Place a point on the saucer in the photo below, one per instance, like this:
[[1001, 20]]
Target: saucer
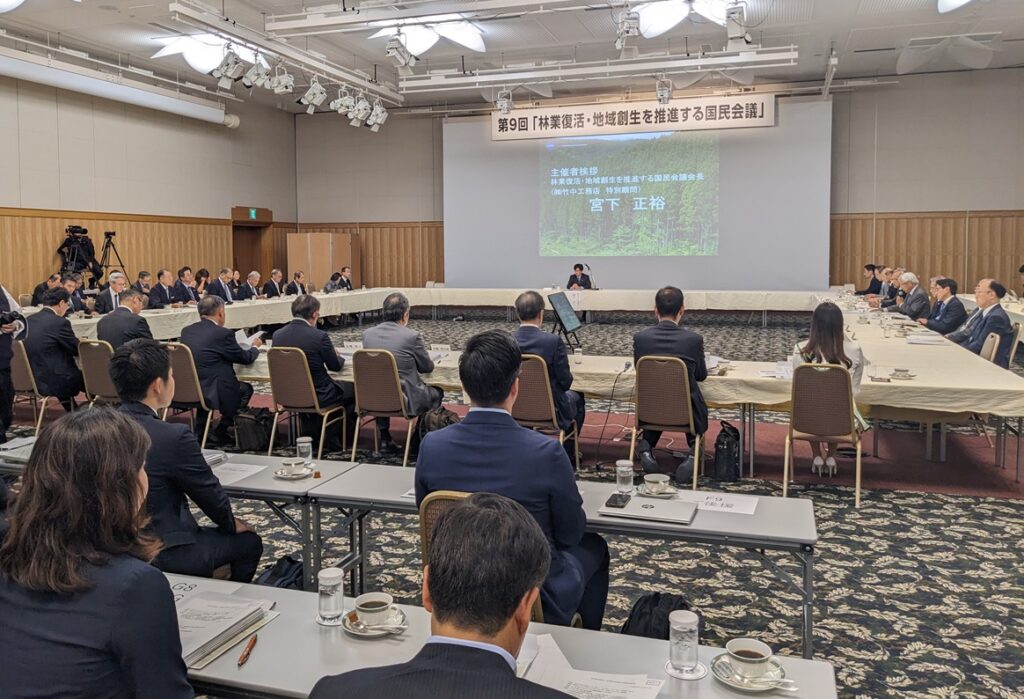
[[397, 618], [668, 494], [295, 476], [902, 377], [722, 669]]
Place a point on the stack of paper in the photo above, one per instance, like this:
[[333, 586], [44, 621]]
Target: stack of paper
[[214, 457], [925, 339], [550, 668], [209, 622], [246, 342], [17, 451], [232, 472], [17, 443]]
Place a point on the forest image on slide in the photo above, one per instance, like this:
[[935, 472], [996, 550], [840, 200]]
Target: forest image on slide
[[651, 194]]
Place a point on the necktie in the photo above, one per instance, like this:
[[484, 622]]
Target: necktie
[[114, 294], [942, 307], [227, 291]]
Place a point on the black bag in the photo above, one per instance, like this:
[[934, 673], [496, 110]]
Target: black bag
[[252, 427], [728, 461], [434, 419], [649, 615], [285, 573]]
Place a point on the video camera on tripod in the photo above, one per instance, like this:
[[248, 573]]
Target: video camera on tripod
[[79, 254]]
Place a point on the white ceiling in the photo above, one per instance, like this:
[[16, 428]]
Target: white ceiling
[[866, 35]]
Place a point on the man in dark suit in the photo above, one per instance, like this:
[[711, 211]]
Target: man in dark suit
[[71, 283], [185, 288], [51, 346], [250, 289], [489, 452], [669, 339], [346, 278], [297, 286], [490, 545], [948, 313], [533, 340], [52, 282], [874, 283], [272, 288], [141, 373], [143, 283], [8, 333], [110, 298], [321, 356], [221, 287], [412, 358], [162, 293], [215, 352], [990, 317], [914, 303], [578, 280], [894, 294], [125, 323]]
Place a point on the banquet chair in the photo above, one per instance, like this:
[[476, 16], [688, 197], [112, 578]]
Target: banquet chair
[[25, 385], [188, 392], [535, 405], [293, 392], [24, 300], [990, 348], [95, 357], [379, 394]]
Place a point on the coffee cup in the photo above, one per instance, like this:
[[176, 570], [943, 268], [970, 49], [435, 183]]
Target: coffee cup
[[901, 372], [291, 467], [656, 483], [748, 657], [374, 608]]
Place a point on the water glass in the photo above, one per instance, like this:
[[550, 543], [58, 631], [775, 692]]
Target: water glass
[[577, 356], [624, 475], [331, 599], [683, 640], [304, 449]]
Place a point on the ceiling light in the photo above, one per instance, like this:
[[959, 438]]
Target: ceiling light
[[8, 5], [360, 111], [462, 33], [378, 116], [229, 70], [344, 103], [282, 83], [258, 75], [204, 52], [314, 95], [401, 56], [504, 102], [944, 5], [629, 25], [420, 36], [418, 39], [656, 18], [663, 88]]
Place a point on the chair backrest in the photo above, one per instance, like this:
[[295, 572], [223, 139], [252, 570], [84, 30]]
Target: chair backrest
[[25, 300], [1017, 327], [95, 356], [377, 384], [663, 393], [187, 389], [822, 400], [430, 509], [990, 349], [535, 405], [291, 383], [21, 371]]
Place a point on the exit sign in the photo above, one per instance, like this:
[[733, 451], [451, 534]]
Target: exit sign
[[252, 214]]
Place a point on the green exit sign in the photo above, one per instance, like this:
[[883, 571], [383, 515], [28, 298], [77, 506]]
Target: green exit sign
[[252, 214]]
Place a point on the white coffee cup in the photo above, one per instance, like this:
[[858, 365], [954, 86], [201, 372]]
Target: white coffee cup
[[290, 467], [901, 372], [656, 483], [374, 608], [749, 657]]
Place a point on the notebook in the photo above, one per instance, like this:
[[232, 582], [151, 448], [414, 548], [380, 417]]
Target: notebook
[[675, 511]]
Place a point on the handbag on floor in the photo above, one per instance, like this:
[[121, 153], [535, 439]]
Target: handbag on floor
[[252, 428], [434, 419], [649, 615], [285, 573], [727, 465]]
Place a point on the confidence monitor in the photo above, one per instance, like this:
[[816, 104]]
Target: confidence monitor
[[566, 320]]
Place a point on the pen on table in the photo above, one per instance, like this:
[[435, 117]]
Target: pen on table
[[244, 658]]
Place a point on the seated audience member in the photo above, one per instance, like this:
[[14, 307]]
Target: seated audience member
[[110, 298], [669, 339], [297, 286], [332, 284], [76, 302], [489, 452], [52, 348], [251, 288], [51, 282], [321, 356], [828, 345], [162, 294], [124, 323], [185, 288], [221, 286], [142, 283], [84, 614], [141, 373], [346, 278], [989, 317], [412, 359], [948, 313], [874, 283], [215, 352], [533, 340], [273, 286], [578, 280], [914, 303], [486, 561], [202, 281], [236, 281]]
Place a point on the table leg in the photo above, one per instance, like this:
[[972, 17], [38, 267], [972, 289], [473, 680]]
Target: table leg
[[362, 551], [808, 561], [1020, 428], [353, 546], [310, 556], [764, 318], [753, 422], [743, 432]]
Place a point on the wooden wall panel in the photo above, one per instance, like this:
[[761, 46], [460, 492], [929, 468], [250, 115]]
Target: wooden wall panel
[[994, 246]]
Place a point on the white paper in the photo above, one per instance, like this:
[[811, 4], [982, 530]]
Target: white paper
[[720, 502], [925, 340], [246, 342], [596, 685], [17, 443], [352, 346], [186, 588], [232, 472], [527, 653], [440, 348], [411, 493], [437, 356]]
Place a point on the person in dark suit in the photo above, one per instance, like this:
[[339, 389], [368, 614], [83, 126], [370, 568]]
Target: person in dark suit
[[124, 323], [8, 333], [894, 294], [532, 339], [273, 288], [215, 352], [221, 286], [491, 545], [948, 313], [346, 278], [143, 283], [332, 284], [72, 282], [52, 347], [489, 452], [110, 298], [85, 616], [297, 286], [185, 288], [669, 339], [141, 372], [914, 304], [412, 358], [874, 283], [990, 317], [162, 293], [251, 288], [235, 283], [321, 356], [52, 282], [578, 280]]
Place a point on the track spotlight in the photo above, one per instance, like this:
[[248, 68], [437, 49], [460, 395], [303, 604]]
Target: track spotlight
[[400, 55], [378, 116], [229, 70], [663, 89], [343, 103], [258, 76], [504, 101], [314, 95], [282, 83], [629, 25], [360, 111]]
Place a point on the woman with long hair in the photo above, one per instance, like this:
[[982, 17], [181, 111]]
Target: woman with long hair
[[828, 345], [202, 280], [83, 613]]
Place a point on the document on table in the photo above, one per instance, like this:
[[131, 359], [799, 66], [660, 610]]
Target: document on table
[[17, 443], [232, 472], [209, 621], [246, 342], [186, 588], [925, 339], [720, 502], [551, 669]]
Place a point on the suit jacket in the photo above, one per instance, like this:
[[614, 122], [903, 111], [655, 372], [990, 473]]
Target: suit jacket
[[271, 289], [294, 289], [320, 354], [122, 325], [216, 352], [247, 291], [218, 288], [141, 289], [6, 345], [106, 301], [161, 296], [995, 322], [52, 347], [670, 340], [184, 294], [874, 287], [345, 284], [412, 359], [915, 305], [489, 452], [947, 316], [37, 293], [582, 280], [178, 473], [76, 302], [533, 340], [438, 671]]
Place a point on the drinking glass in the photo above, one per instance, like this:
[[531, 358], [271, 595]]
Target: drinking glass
[[304, 449], [624, 476], [683, 640], [577, 356], [331, 599]]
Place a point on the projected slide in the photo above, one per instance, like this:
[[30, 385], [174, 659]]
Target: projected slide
[[649, 194]]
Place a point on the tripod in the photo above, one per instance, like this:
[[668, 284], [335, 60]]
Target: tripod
[[108, 247]]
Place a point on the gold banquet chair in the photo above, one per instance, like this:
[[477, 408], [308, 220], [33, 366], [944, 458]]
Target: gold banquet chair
[[188, 392], [95, 356], [379, 393], [990, 349], [293, 391], [535, 405], [25, 383]]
